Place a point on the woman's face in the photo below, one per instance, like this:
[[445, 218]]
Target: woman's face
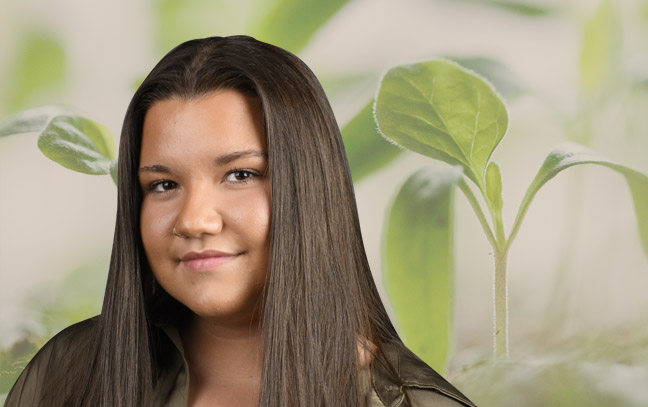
[[203, 172]]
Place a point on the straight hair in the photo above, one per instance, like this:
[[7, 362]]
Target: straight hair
[[319, 300]]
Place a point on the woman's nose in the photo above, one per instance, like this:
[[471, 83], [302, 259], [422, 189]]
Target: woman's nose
[[199, 214]]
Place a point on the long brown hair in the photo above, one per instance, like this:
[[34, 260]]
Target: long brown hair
[[319, 295]]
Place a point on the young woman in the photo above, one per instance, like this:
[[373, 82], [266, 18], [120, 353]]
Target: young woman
[[238, 275]]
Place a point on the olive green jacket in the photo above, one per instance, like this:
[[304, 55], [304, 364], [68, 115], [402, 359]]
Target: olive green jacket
[[423, 386]]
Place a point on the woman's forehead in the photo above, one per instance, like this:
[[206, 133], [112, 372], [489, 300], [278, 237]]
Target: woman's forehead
[[224, 122]]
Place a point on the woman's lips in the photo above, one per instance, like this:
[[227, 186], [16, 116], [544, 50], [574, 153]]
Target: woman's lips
[[206, 261]]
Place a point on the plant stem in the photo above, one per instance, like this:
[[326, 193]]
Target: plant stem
[[500, 317], [499, 226], [478, 211], [500, 280]]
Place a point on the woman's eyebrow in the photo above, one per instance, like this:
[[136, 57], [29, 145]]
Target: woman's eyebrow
[[155, 168], [227, 158], [220, 161]]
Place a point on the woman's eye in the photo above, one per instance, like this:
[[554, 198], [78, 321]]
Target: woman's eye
[[162, 186], [238, 176]]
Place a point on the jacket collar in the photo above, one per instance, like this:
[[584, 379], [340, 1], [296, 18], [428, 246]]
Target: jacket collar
[[413, 372]]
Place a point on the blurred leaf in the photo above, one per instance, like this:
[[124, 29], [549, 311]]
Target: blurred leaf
[[347, 91], [518, 7], [31, 121], [366, 150], [114, 171], [77, 297], [65, 137], [292, 23], [601, 53], [568, 154], [507, 82], [418, 263], [494, 186], [440, 110], [40, 65], [638, 184], [335, 84], [556, 383], [13, 361], [137, 82], [177, 21], [592, 368], [287, 23], [531, 10]]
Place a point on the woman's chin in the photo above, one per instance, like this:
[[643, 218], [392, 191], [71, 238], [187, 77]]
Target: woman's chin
[[224, 312]]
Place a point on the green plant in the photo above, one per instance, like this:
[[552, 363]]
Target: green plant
[[419, 231], [67, 137], [440, 110]]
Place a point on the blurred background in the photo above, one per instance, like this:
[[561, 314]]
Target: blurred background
[[578, 272]]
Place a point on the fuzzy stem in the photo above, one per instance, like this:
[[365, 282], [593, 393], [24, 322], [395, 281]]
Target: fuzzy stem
[[500, 235], [478, 211], [500, 317]]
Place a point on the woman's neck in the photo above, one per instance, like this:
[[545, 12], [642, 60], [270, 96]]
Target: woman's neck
[[224, 362]]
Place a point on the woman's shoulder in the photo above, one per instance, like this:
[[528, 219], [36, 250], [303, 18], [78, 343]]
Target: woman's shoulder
[[70, 342], [422, 384], [75, 333], [68, 346]]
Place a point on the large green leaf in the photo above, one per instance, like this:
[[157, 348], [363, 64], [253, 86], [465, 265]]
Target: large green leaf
[[291, 23], [601, 53], [438, 109], [40, 65], [365, 149], [568, 154], [418, 263], [66, 137]]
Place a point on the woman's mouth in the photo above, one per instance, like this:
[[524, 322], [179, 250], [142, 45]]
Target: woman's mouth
[[207, 260]]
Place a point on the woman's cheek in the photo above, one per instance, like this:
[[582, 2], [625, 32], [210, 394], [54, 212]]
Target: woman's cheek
[[250, 210], [155, 225]]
